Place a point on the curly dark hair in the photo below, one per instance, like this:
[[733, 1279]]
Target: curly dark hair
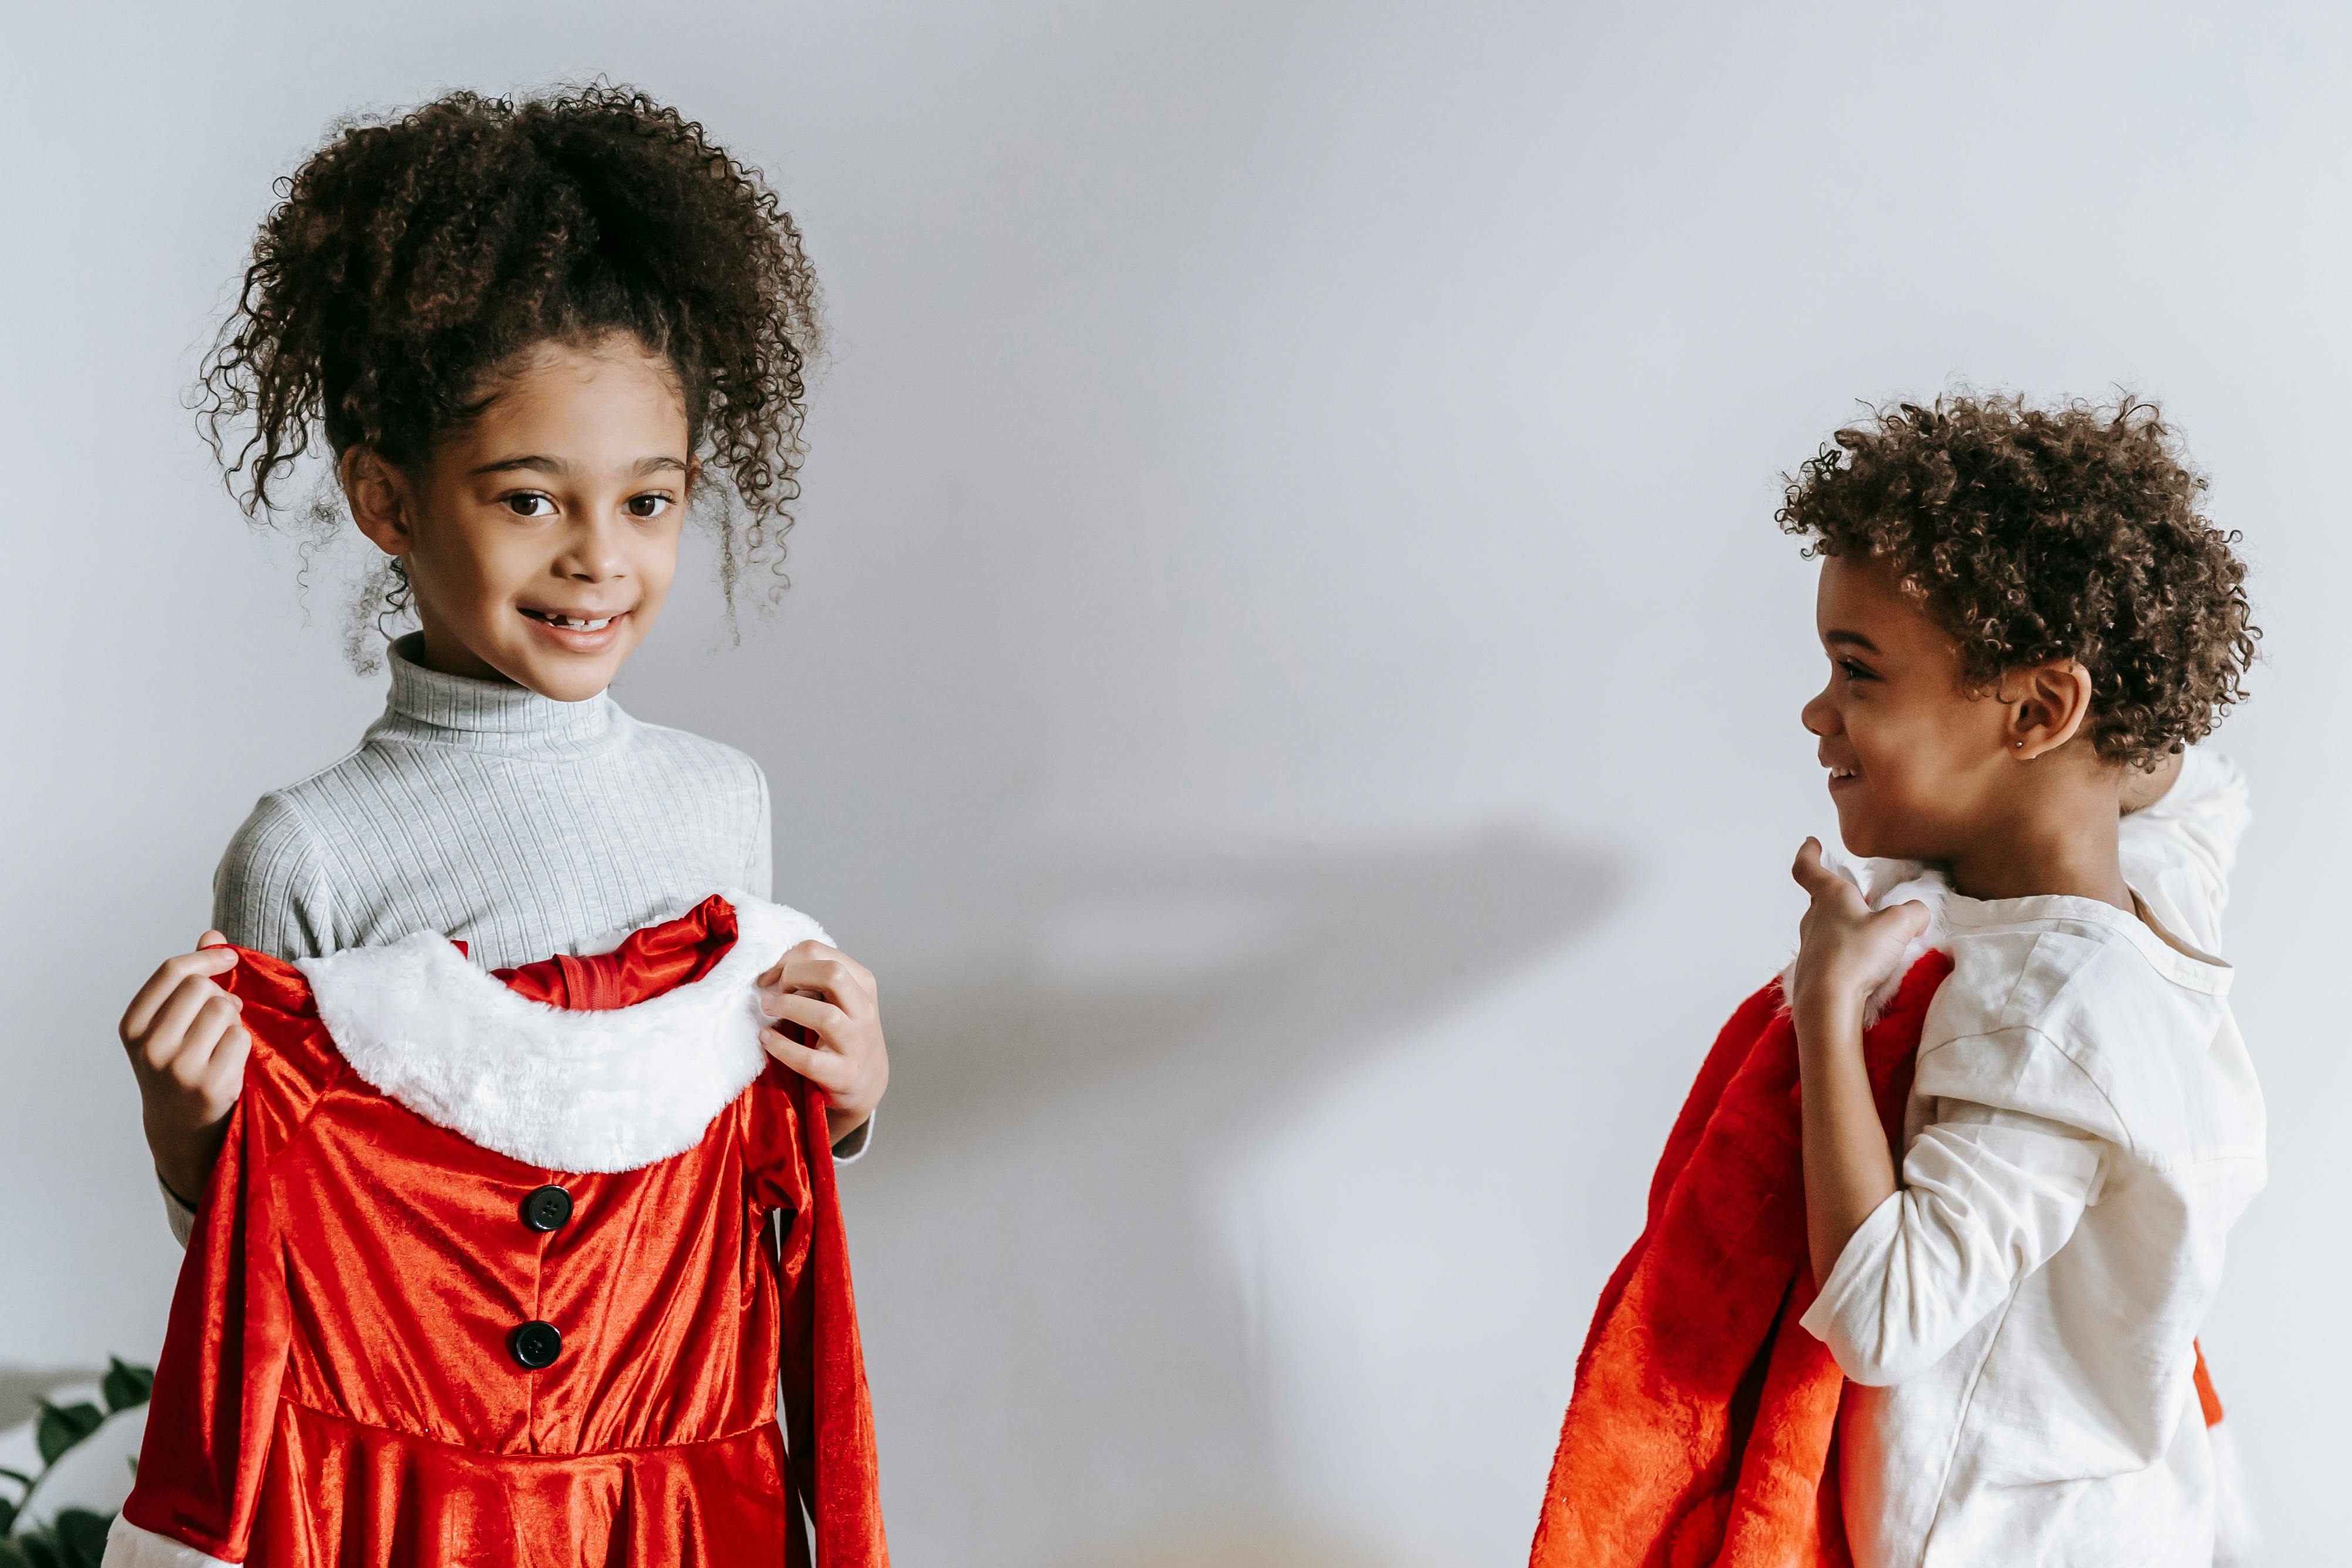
[[2033, 534], [414, 259]]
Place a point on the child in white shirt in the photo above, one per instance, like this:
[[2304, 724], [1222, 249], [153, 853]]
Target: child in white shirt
[[2028, 619]]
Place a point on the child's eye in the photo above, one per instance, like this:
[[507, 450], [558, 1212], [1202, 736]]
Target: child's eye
[[1854, 671], [648, 505], [527, 504]]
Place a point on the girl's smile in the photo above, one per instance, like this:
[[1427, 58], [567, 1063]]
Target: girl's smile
[[578, 630]]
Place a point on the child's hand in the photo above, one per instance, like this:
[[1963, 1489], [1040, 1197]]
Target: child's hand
[[831, 996], [188, 1052], [1846, 949]]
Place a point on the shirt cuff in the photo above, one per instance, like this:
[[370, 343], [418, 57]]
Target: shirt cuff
[[178, 1215], [128, 1546], [1854, 1291], [857, 1144]]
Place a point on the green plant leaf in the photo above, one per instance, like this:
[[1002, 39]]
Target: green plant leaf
[[39, 1550], [80, 1536], [126, 1384], [19, 1476], [63, 1425], [7, 1517], [13, 1555]]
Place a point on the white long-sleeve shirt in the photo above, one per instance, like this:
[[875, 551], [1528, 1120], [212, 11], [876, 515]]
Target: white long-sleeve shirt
[[2083, 1128]]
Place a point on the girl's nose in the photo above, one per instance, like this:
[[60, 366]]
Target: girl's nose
[[593, 554]]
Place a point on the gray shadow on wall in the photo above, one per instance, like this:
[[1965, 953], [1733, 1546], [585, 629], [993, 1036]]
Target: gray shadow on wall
[[1046, 1273], [1112, 966]]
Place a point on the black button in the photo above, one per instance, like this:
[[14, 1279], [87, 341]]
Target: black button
[[545, 1208], [535, 1345]]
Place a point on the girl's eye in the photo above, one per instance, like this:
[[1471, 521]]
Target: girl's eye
[[650, 506], [529, 504], [1854, 672]]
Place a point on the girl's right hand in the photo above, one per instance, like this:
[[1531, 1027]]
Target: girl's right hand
[[187, 1050]]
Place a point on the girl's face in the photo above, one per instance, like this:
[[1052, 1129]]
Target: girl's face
[[1915, 759], [540, 539]]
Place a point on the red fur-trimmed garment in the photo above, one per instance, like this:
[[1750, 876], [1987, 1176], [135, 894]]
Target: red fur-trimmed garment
[[429, 1167], [1701, 1429]]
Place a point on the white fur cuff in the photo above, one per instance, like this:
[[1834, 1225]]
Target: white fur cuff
[[128, 1546]]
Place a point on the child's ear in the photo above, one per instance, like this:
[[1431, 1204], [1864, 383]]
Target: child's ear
[[378, 494], [2048, 705]]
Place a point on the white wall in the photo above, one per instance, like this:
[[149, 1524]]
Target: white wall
[[1292, 680]]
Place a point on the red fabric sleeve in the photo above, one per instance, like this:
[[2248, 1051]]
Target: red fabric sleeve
[[828, 1417], [1724, 1059], [214, 1405]]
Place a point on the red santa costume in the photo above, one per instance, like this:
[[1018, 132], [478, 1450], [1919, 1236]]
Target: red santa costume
[[480, 1275]]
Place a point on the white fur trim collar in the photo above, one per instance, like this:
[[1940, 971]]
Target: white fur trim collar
[[1884, 883], [572, 1090]]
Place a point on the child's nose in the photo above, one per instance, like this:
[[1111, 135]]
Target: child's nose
[[594, 554], [1820, 715]]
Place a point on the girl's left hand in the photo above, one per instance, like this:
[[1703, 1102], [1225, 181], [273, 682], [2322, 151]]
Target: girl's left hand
[[1846, 949], [831, 996]]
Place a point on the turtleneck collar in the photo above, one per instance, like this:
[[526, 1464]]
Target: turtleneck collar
[[488, 715]]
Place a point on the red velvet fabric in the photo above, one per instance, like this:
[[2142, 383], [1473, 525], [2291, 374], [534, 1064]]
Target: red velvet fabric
[[1701, 1425], [335, 1386], [1702, 1430]]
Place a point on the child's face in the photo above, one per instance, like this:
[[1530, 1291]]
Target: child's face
[[540, 539], [1914, 757]]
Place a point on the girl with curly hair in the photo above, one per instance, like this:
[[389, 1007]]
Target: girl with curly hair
[[2028, 620], [528, 334]]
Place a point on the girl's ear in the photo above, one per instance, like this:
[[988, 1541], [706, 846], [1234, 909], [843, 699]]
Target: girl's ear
[[380, 501], [2048, 705]]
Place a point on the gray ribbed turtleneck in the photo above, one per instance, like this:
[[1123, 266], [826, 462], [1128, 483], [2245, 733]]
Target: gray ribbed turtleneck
[[520, 825]]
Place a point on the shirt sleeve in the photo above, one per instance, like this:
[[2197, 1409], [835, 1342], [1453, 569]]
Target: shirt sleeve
[[271, 892], [178, 1215], [759, 857], [2179, 853], [1991, 1187], [857, 1142]]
